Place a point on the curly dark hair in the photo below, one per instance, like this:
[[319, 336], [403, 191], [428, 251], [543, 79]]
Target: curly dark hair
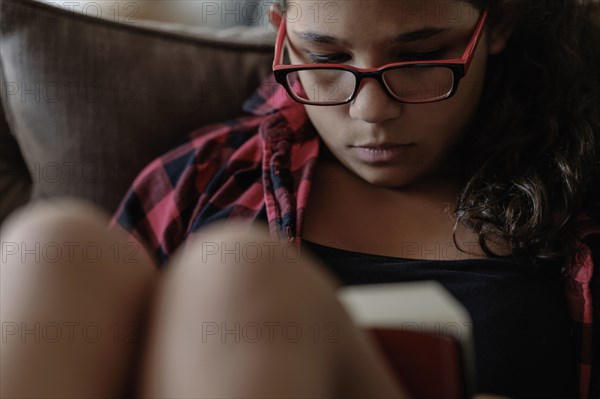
[[531, 152], [528, 161]]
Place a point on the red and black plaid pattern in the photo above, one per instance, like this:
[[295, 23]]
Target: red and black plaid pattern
[[259, 167], [256, 167]]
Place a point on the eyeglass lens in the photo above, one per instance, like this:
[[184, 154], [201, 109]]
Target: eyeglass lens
[[411, 84]]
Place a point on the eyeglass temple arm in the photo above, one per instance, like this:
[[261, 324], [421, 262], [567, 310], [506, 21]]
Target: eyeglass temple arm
[[470, 50], [279, 42]]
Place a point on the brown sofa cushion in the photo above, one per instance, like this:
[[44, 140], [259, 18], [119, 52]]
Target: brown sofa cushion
[[91, 101]]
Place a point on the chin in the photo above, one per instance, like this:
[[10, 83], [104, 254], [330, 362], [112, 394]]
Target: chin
[[391, 178]]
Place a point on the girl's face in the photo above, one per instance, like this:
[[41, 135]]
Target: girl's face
[[369, 34]]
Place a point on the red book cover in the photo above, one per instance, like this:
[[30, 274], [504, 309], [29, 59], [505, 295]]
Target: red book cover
[[423, 332]]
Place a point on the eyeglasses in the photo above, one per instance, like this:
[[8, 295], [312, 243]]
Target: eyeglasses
[[414, 82]]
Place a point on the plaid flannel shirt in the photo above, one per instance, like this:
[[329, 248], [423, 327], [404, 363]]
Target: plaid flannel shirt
[[259, 167]]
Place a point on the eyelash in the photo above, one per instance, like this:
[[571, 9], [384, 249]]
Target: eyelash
[[340, 58]]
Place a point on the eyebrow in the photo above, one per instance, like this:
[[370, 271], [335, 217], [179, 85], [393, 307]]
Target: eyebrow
[[421, 34]]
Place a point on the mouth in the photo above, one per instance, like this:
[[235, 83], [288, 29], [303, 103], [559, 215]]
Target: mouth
[[384, 152], [382, 145]]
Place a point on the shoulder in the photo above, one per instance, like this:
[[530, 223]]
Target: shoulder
[[163, 199], [209, 145], [199, 158]]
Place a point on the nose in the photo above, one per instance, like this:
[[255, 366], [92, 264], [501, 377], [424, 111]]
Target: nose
[[372, 104]]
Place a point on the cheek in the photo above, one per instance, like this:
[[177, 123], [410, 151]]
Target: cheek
[[445, 121], [439, 124], [329, 121]]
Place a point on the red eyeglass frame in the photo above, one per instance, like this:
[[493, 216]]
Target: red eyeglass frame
[[459, 67]]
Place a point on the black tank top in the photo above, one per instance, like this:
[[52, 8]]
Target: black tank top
[[521, 326]]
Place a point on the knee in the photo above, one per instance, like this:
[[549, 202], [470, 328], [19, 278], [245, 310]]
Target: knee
[[65, 231], [51, 233], [247, 253], [233, 246], [65, 244], [238, 263], [49, 219]]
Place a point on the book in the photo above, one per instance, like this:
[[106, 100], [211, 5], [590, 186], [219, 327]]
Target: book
[[424, 332]]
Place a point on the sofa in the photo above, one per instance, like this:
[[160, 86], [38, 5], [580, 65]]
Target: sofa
[[87, 102]]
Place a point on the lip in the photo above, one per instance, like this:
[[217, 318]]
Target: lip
[[382, 145], [382, 153]]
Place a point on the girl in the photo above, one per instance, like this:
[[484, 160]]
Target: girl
[[396, 140]]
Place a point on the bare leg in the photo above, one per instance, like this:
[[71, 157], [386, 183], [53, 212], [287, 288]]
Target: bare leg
[[292, 337], [72, 293]]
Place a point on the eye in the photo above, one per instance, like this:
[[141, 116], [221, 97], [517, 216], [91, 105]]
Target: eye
[[341, 58], [327, 58]]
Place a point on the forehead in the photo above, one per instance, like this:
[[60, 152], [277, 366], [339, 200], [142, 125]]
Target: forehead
[[368, 17]]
